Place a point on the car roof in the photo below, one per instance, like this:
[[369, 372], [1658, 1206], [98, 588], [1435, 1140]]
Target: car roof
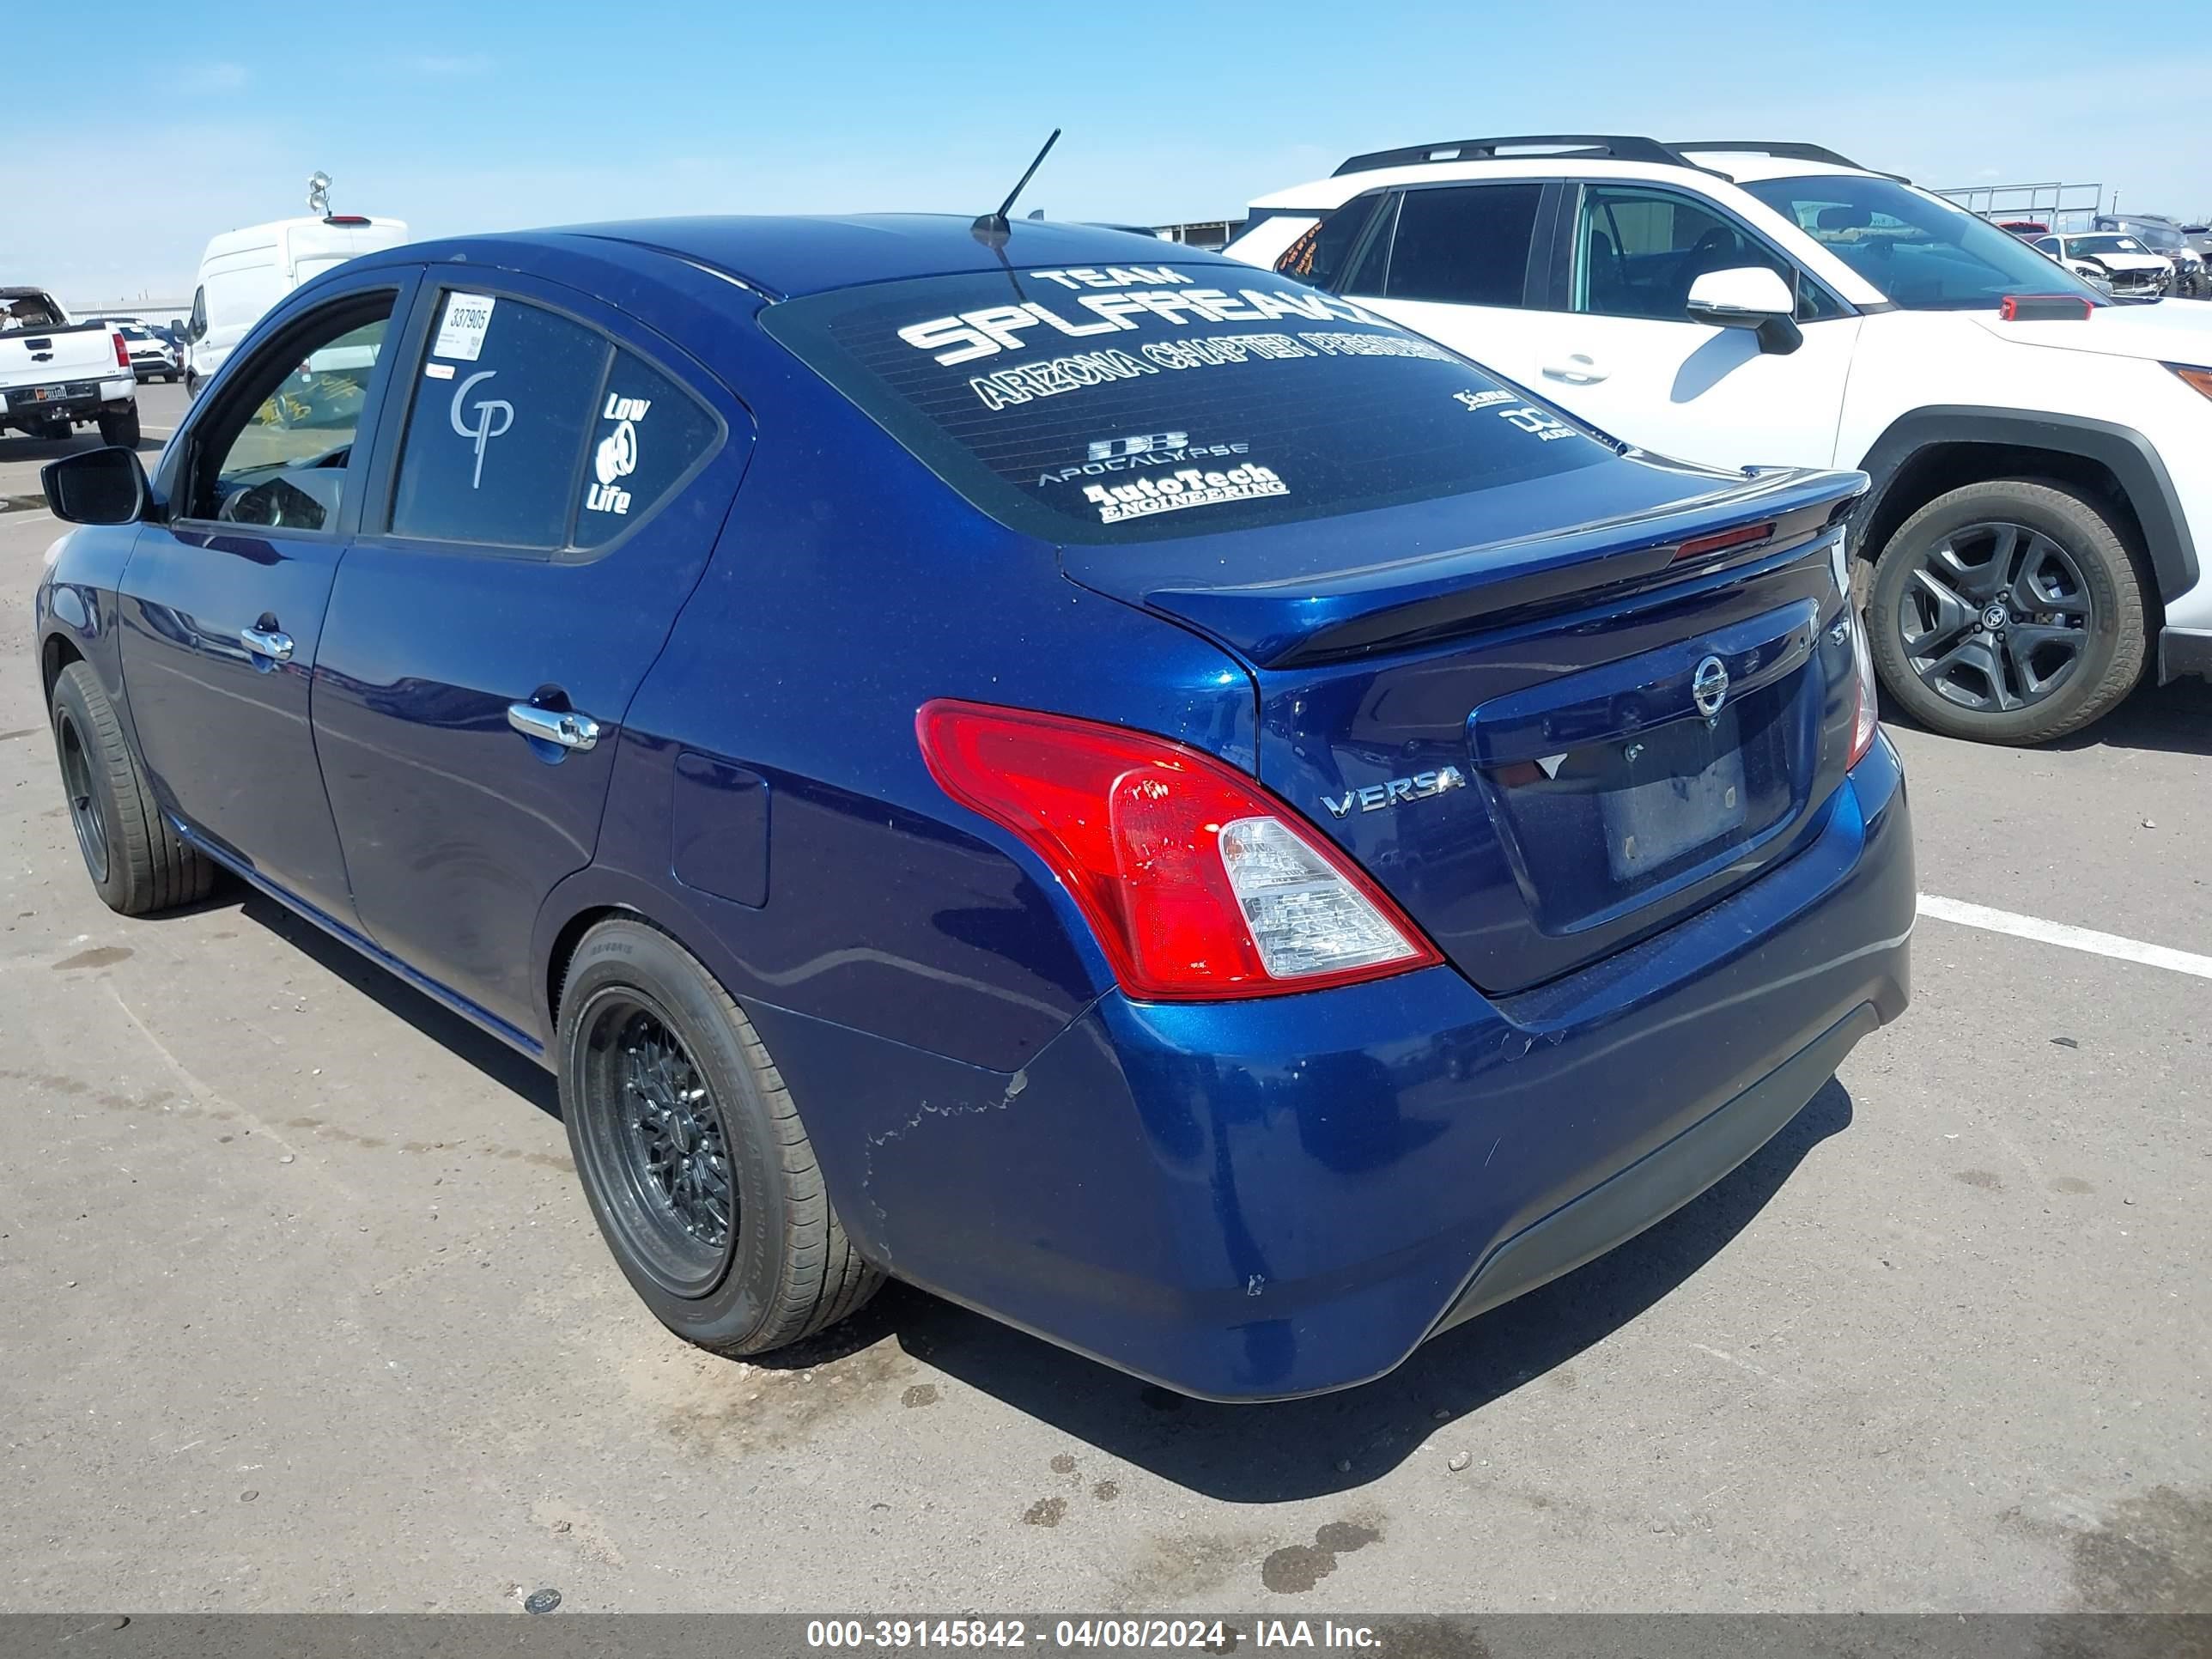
[[783, 256], [1742, 169]]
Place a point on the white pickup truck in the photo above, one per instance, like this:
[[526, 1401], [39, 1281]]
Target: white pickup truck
[[56, 374]]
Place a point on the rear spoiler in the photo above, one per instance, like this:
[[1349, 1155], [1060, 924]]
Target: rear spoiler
[[1404, 602]]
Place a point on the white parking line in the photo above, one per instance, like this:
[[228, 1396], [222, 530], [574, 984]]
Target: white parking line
[[2063, 934]]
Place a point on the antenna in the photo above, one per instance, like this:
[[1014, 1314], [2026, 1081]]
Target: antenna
[[992, 229]]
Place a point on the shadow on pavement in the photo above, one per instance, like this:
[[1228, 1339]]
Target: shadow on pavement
[[512, 1071], [2173, 719], [1240, 1454], [1279, 1453], [36, 452]]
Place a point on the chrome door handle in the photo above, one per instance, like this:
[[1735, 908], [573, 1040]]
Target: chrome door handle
[[267, 642], [569, 730], [1578, 370]]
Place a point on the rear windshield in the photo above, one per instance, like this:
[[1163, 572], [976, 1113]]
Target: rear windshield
[[1125, 404]]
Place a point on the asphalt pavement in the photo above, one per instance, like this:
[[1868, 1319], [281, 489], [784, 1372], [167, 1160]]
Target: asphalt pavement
[[300, 1307]]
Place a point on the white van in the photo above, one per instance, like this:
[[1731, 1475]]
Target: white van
[[244, 273]]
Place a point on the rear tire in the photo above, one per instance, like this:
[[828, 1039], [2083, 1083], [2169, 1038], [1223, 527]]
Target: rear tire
[[2010, 611], [138, 863], [119, 427], [691, 1152]]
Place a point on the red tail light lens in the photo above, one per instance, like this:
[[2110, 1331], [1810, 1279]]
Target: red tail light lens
[[122, 351], [1198, 885], [1868, 721]]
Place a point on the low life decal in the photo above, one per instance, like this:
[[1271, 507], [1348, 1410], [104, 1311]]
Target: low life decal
[[1189, 486], [615, 457], [461, 331], [493, 416]]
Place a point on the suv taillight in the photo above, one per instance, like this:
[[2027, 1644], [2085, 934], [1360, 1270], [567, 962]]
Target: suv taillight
[[1197, 883], [122, 351]]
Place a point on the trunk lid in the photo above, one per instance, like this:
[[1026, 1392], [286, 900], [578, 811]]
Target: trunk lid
[[1544, 745]]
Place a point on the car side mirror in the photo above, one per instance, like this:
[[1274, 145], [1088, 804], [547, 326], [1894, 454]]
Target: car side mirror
[[96, 486], [1751, 297]]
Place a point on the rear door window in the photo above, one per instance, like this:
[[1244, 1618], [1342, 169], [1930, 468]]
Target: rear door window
[[1131, 403], [648, 435], [530, 429], [1463, 245], [495, 432]]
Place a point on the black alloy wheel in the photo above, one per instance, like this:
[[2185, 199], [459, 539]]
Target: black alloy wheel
[[660, 1137], [691, 1150], [2011, 611], [1996, 617]]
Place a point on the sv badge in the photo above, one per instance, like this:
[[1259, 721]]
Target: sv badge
[[1422, 786]]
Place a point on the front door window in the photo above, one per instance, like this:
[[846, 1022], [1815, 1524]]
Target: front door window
[[280, 460]]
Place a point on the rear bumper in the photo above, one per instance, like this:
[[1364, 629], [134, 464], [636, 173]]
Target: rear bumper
[[1661, 1181], [1262, 1200]]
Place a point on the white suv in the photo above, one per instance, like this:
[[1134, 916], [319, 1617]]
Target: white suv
[[2041, 457]]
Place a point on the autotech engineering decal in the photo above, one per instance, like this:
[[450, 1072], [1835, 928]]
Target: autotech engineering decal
[[1189, 486]]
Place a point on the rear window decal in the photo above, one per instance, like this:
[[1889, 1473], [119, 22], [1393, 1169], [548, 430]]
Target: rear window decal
[[1105, 456], [1537, 423], [1094, 404], [990, 330], [1188, 486]]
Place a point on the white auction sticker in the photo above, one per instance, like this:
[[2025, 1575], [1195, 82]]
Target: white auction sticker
[[461, 329]]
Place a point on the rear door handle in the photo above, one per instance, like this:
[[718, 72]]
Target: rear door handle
[[559, 726], [268, 642], [1578, 370]]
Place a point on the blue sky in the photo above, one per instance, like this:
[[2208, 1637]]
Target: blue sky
[[499, 113]]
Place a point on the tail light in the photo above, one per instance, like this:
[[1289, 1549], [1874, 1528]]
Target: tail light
[[1865, 719], [1198, 885], [122, 351], [1869, 719]]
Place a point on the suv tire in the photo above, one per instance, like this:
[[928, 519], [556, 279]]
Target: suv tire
[[691, 1153], [2010, 611]]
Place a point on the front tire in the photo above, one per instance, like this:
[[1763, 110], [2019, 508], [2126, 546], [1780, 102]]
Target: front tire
[[2010, 611], [138, 863], [691, 1152], [119, 427]]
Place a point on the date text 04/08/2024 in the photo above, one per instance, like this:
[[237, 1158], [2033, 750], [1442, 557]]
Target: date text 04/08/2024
[[1208, 1636]]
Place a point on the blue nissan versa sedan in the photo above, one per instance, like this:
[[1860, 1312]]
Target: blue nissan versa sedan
[[1100, 781]]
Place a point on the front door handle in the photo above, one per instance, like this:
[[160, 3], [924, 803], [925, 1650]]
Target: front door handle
[[268, 642], [1579, 369], [558, 725]]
